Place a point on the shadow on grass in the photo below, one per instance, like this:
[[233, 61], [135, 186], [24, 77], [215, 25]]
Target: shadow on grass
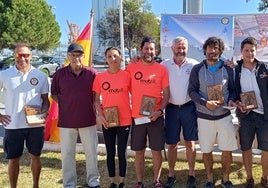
[[181, 173], [52, 161]]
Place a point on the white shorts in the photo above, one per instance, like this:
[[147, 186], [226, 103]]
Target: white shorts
[[220, 131]]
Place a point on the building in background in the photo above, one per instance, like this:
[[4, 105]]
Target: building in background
[[99, 7]]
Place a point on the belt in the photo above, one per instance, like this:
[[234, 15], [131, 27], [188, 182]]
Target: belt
[[181, 105]]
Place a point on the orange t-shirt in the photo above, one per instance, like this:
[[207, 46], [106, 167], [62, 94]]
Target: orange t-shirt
[[115, 91], [147, 80]]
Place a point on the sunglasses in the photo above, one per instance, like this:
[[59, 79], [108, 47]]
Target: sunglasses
[[22, 55]]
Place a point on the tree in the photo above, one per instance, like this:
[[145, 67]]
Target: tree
[[139, 21], [30, 21], [263, 5]]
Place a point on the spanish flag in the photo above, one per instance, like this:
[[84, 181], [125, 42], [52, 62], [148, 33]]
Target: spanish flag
[[85, 40], [52, 132]]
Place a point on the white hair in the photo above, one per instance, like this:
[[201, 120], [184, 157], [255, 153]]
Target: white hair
[[179, 39]]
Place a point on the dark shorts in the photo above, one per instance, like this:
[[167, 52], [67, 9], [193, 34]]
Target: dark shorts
[[154, 131], [252, 124], [177, 118], [14, 141]]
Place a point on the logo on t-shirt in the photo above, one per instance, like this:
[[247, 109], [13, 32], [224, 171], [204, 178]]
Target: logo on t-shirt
[[188, 71], [34, 81], [115, 90], [106, 85], [138, 75]]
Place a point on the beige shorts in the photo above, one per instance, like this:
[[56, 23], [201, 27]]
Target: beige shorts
[[221, 132]]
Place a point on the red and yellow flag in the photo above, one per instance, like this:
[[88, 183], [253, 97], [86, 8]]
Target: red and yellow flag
[[52, 132], [85, 40]]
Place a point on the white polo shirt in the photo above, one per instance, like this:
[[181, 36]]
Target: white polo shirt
[[19, 90], [179, 80], [248, 82]]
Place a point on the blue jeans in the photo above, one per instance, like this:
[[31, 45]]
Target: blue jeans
[[89, 139]]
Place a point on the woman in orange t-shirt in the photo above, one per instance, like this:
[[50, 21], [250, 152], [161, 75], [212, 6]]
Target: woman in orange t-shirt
[[112, 102]]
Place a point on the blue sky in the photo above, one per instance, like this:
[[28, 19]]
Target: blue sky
[[78, 11]]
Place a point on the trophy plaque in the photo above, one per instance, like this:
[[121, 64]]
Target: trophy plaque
[[215, 93], [111, 115], [33, 115], [249, 100], [147, 105]]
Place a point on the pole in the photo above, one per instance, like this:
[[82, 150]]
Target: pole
[[184, 7], [122, 33], [91, 38]]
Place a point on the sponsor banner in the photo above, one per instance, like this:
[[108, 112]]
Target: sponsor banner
[[196, 28]]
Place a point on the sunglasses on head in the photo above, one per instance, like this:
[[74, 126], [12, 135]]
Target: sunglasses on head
[[22, 55]]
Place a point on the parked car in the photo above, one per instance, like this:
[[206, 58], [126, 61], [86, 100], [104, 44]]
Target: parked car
[[49, 64], [98, 60], [9, 62], [6, 63]]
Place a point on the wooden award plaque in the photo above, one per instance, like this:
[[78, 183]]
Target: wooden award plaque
[[249, 100], [215, 93], [147, 105], [111, 115], [33, 115]]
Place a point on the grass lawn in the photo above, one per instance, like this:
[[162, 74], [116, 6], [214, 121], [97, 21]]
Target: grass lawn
[[51, 172]]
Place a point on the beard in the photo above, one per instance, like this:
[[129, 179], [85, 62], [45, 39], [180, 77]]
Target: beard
[[180, 56], [212, 57], [148, 58]]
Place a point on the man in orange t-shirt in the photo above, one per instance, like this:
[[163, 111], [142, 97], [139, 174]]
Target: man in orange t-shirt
[[150, 95]]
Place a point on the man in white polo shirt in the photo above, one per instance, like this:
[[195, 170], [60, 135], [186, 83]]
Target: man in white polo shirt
[[23, 85], [180, 113], [252, 76]]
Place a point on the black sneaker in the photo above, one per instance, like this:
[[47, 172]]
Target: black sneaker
[[121, 185], [170, 182], [264, 182], [227, 184], [209, 185], [139, 185], [191, 182], [113, 185], [250, 183]]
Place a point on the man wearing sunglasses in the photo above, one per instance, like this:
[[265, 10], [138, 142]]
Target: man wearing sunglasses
[[23, 85]]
